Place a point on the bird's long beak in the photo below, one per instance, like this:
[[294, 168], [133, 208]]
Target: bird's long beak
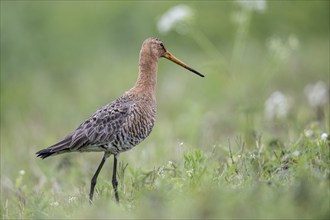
[[172, 58]]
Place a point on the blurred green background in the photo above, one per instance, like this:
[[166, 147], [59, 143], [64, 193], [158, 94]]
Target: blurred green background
[[60, 61]]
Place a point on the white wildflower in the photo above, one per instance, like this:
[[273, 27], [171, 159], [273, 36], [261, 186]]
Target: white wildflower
[[19, 179], [253, 5], [72, 199], [175, 18], [160, 172], [308, 133], [277, 106], [190, 172], [296, 153], [317, 94], [54, 204], [324, 136], [280, 48]]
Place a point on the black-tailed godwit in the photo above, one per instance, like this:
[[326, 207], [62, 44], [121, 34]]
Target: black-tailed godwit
[[123, 123]]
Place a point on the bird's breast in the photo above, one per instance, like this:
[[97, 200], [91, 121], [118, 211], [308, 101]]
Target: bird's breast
[[136, 127], [141, 121]]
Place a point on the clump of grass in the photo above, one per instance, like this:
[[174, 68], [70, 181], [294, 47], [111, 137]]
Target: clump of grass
[[273, 175], [292, 177]]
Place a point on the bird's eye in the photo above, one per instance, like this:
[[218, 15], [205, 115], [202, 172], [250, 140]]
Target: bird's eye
[[162, 45]]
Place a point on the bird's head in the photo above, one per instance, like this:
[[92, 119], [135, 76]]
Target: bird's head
[[156, 49]]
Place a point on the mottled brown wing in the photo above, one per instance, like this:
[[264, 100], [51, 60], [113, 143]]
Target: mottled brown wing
[[103, 125], [99, 129]]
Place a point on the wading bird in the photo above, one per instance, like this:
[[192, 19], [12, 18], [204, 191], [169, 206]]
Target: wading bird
[[123, 123]]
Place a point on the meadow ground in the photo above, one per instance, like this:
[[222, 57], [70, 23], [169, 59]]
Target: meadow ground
[[250, 140]]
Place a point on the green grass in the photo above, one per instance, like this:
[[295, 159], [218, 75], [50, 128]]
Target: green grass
[[212, 153], [290, 181]]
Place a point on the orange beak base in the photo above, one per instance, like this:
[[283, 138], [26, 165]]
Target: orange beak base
[[172, 58]]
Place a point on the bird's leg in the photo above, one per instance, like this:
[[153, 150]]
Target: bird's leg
[[93, 181], [114, 177]]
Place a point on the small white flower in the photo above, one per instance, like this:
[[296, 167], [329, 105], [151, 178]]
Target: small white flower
[[190, 172], [280, 48], [54, 204], [296, 153], [277, 48], [308, 133], [160, 172], [253, 5], [72, 199], [277, 106], [175, 18], [317, 94], [21, 172], [324, 136]]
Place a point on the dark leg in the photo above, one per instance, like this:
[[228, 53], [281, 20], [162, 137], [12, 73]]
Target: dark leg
[[114, 178], [93, 182]]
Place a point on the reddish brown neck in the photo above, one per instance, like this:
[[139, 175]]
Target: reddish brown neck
[[147, 78]]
